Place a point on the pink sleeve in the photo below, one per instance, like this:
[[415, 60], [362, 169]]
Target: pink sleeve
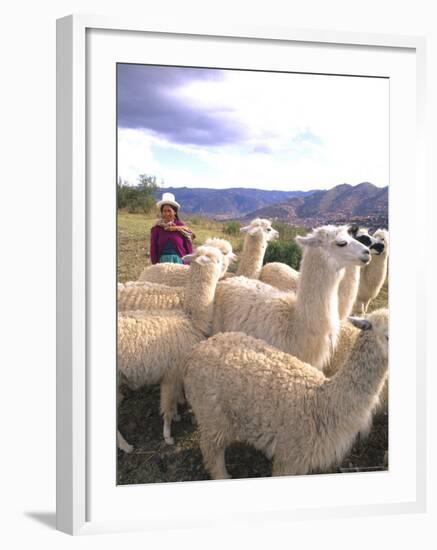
[[154, 245]]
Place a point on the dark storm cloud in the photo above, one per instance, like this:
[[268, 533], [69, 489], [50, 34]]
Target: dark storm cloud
[[148, 99]]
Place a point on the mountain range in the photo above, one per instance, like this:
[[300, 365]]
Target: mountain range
[[227, 203], [363, 203]]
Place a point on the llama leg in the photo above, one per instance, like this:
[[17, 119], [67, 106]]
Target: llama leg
[[181, 394], [180, 398], [123, 444], [169, 395], [121, 441], [214, 458]]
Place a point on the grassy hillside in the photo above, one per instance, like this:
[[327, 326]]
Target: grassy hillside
[[134, 240], [134, 244]]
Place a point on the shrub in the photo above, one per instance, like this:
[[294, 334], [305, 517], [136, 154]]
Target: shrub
[[288, 232], [287, 252], [137, 198], [231, 228]]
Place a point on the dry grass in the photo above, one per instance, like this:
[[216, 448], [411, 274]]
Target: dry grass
[[134, 240]]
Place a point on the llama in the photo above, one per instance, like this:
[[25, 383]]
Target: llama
[[177, 274], [258, 235], [151, 347], [303, 324], [280, 275], [242, 389], [348, 288], [146, 296], [373, 276], [346, 341], [286, 278]]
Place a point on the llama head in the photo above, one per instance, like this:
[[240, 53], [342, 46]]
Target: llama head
[[206, 259], [377, 322], [223, 245], [260, 229], [225, 248], [381, 243], [361, 234], [337, 245]]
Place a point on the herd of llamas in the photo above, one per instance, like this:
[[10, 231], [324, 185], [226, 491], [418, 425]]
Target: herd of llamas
[[287, 361]]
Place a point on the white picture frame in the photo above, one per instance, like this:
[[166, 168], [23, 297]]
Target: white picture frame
[[76, 218]]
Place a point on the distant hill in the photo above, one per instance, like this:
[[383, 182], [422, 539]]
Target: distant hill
[[227, 203], [363, 203]]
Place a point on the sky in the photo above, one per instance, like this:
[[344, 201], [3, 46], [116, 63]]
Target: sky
[[196, 127]]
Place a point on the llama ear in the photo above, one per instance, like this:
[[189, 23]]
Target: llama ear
[[232, 257], [360, 323], [245, 229], [188, 258], [202, 260], [353, 229], [308, 240]]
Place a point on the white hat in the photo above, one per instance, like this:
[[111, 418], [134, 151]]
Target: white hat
[[168, 198]]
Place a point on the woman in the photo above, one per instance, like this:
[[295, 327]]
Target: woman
[[170, 239]]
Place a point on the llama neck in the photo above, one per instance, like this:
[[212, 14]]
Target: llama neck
[[377, 269], [252, 258], [353, 391], [199, 298], [347, 291], [317, 296]]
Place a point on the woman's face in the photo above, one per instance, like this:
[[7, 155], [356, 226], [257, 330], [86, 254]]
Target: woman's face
[[168, 214]]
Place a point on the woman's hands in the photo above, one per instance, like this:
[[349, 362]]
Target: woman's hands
[[180, 228], [177, 228]]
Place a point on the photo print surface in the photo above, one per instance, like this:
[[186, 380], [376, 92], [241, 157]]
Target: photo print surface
[[252, 256]]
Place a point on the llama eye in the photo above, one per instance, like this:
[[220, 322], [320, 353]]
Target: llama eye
[[269, 229], [342, 243]]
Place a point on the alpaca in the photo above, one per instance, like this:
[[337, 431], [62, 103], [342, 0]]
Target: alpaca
[[242, 389], [373, 276], [258, 235], [147, 296], [348, 288], [177, 274], [286, 278], [303, 324], [151, 347], [347, 338], [280, 275]]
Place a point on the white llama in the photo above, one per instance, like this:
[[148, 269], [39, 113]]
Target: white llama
[[242, 389], [177, 274], [373, 276], [304, 324], [151, 347]]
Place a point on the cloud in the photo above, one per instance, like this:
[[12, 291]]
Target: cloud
[[221, 128], [152, 98]]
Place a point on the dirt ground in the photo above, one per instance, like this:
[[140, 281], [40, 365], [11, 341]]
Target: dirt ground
[[153, 461]]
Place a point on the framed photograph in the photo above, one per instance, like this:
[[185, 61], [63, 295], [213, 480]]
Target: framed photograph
[[168, 137]]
